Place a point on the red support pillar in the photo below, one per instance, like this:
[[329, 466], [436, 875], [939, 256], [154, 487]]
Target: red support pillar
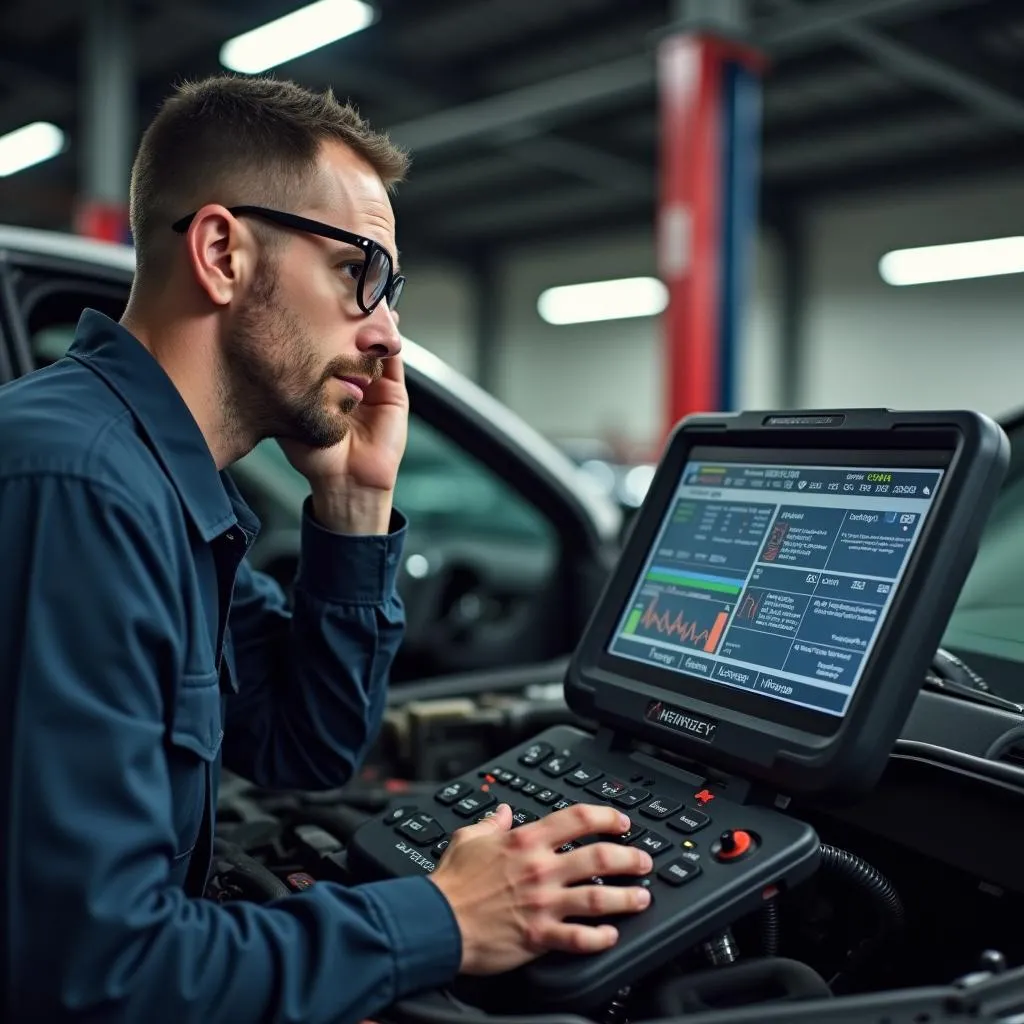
[[707, 218], [688, 235]]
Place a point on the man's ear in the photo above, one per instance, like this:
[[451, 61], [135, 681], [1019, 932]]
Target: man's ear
[[221, 252]]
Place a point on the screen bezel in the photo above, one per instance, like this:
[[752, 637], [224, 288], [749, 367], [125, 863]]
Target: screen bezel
[[925, 448]]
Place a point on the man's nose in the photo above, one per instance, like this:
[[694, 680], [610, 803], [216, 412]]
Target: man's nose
[[378, 335]]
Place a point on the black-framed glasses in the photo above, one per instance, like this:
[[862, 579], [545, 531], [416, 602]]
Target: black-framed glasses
[[377, 279]]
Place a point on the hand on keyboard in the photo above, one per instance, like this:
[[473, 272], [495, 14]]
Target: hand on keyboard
[[511, 890]]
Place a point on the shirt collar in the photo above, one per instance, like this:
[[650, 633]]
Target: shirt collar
[[128, 368]]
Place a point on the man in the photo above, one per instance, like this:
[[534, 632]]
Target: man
[[139, 650]]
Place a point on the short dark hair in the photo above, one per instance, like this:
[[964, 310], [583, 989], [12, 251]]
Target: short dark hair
[[238, 139]]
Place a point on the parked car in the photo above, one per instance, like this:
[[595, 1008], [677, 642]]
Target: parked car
[[509, 542]]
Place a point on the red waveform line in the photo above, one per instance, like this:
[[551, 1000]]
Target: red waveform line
[[678, 626], [750, 607]]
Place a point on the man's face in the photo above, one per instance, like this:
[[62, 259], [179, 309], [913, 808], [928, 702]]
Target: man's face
[[299, 352]]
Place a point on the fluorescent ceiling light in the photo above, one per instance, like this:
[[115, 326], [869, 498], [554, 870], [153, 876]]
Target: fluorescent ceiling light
[[29, 145], [603, 300], [297, 33], [958, 262]]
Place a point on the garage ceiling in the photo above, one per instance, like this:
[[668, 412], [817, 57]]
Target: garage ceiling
[[529, 119]]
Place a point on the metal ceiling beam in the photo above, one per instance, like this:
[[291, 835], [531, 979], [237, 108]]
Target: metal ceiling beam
[[549, 210], [546, 103], [846, 148], [535, 107], [803, 29], [922, 69]]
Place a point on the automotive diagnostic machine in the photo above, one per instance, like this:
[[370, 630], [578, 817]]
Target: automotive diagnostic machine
[[769, 623]]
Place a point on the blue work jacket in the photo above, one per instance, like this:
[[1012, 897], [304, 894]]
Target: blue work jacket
[[139, 651]]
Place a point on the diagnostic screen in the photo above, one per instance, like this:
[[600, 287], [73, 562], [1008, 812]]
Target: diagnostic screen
[[776, 578]]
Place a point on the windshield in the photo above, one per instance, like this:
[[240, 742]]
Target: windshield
[[987, 625]]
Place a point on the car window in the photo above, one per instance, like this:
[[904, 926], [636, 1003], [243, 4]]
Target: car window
[[441, 488], [444, 491], [989, 616]]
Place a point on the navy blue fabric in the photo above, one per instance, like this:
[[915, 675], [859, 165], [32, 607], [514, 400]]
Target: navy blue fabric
[[122, 580]]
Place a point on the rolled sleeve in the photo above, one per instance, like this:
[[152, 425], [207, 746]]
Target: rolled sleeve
[[348, 569]]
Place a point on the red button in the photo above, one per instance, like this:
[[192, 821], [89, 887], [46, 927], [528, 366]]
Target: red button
[[734, 844]]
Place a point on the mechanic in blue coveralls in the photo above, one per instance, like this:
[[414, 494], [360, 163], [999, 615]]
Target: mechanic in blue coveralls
[[138, 651]]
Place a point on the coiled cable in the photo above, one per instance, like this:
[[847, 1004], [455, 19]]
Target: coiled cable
[[859, 873]]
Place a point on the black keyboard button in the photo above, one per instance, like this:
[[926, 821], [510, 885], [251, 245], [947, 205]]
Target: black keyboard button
[[652, 843], [440, 847], [582, 775], [521, 817], [452, 792], [559, 764], [567, 847], [421, 829], [659, 808], [607, 789], [491, 773], [535, 753], [679, 871], [562, 804], [548, 796], [632, 797], [398, 814], [530, 789], [517, 783], [471, 806], [505, 777], [689, 821]]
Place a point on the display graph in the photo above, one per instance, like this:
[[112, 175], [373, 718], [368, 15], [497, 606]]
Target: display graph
[[692, 623]]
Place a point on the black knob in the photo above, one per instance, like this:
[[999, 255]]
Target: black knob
[[992, 960], [727, 841]]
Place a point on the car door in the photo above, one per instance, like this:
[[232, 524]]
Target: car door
[[502, 562]]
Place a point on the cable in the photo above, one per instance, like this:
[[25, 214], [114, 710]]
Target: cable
[[770, 927], [873, 883]]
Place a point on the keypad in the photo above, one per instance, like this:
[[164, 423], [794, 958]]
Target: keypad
[[678, 857]]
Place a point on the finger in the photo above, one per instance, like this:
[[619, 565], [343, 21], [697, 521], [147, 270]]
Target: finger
[[499, 821], [394, 369], [579, 821], [602, 900], [576, 938], [603, 859]]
